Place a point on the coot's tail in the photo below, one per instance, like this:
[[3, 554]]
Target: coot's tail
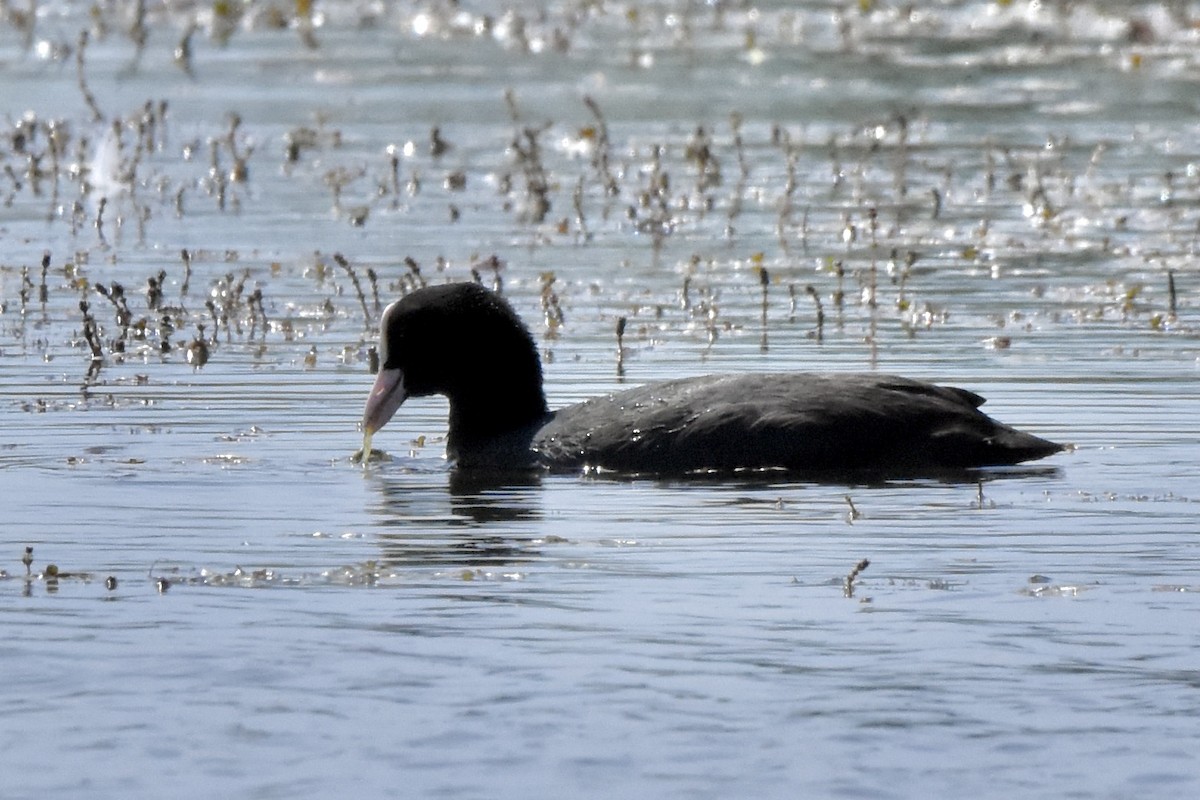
[[1018, 446], [1001, 446]]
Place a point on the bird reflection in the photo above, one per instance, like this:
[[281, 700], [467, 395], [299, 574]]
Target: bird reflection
[[486, 496], [459, 518]]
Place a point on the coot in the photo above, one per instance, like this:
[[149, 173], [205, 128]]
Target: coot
[[466, 342]]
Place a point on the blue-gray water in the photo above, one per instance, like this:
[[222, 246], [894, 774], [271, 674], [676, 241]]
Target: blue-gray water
[[395, 630]]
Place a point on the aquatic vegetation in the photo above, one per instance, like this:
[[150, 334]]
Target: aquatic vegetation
[[162, 577], [898, 227], [848, 582], [49, 577]]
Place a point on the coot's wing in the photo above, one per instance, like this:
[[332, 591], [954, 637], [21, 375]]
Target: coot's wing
[[805, 422]]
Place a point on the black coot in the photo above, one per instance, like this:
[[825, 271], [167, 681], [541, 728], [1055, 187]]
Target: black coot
[[465, 342]]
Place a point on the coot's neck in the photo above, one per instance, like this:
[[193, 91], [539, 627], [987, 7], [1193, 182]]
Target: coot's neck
[[500, 419], [502, 409]]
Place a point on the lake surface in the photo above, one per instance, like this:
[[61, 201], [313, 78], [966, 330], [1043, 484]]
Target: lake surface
[[997, 195]]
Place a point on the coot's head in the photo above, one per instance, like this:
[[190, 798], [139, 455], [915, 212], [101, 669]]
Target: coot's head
[[465, 342]]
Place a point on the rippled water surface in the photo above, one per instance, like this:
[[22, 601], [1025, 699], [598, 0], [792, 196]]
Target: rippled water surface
[[999, 195]]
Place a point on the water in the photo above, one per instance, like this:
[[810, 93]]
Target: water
[[287, 623]]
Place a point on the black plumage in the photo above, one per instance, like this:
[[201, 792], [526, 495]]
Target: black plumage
[[465, 342]]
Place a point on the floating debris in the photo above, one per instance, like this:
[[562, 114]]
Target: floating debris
[[620, 346], [848, 581], [198, 349], [853, 514]]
